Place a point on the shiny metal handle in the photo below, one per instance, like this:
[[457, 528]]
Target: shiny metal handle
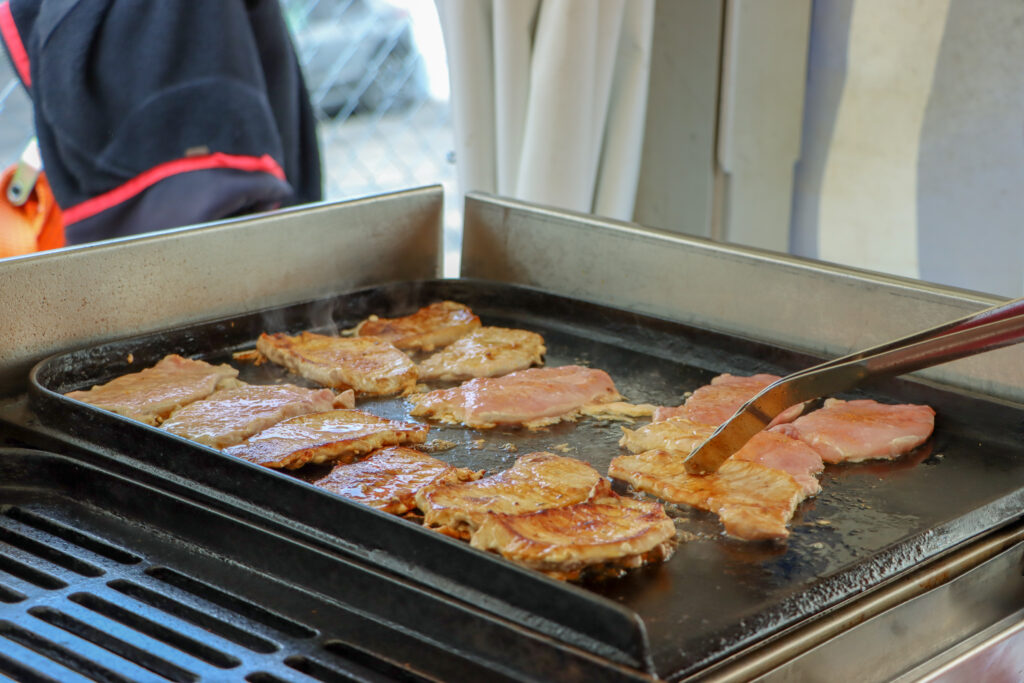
[[965, 341], [1001, 311]]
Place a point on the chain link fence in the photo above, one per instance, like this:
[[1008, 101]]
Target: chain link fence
[[15, 114], [377, 79]]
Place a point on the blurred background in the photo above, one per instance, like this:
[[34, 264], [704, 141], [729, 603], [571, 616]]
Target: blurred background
[[378, 80], [879, 135]]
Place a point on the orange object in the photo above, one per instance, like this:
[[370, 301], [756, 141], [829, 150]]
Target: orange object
[[36, 225]]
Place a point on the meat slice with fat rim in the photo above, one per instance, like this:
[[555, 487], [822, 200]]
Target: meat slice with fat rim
[[603, 536], [532, 398], [151, 395], [367, 365], [536, 481], [753, 501], [618, 410], [431, 327], [485, 352], [332, 436], [851, 431], [773, 448], [389, 479], [229, 416], [714, 403]]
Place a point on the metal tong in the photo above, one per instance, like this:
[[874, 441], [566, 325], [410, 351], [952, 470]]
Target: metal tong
[[986, 330]]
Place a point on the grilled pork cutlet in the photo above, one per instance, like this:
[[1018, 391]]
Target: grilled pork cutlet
[[485, 352], [431, 327], [713, 404], [230, 416], [851, 431], [332, 436], [753, 501], [535, 481], [389, 479], [367, 365], [604, 536], [531, 398], [151, 395]]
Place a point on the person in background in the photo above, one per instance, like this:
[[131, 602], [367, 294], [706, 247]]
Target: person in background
[[153, 115]]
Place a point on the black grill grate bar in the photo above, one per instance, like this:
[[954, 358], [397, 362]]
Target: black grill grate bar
[[243, 608], [72, 535], [264, 677], [201, 619], [9, 595], [48, 553], [29, 573], [59, 654], [322, 672], [119, 647], [18, 671], [370, 662], [156, 630]]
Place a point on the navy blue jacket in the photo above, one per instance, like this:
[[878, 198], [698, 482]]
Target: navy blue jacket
[[153, 114]]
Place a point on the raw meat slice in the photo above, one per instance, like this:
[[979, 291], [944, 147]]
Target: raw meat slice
[[715, 403], [151, 395], [433, 326], [677, 434], [389, 479], [753, 501], [485, 352], [532, 398], [605, 536], [851, 431], [230, 416], [535, 481], [333, 436], [368, 365], [773, 448]]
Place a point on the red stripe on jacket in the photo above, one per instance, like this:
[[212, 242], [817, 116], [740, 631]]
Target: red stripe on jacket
[[9, 32], [147, 179]]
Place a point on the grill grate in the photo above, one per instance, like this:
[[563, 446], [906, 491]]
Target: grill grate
[[81, 608]]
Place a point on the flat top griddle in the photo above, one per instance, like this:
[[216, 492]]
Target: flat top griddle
[[716, 595]]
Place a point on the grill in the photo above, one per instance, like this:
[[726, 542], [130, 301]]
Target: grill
[[715, 606], [872, 522]]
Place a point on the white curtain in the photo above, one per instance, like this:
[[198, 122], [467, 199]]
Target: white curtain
[[911, 159], [549, 98]]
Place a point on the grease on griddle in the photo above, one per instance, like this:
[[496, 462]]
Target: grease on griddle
[[438, 445]]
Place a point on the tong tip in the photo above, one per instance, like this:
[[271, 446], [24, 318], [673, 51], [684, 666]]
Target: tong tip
[[730, 437]]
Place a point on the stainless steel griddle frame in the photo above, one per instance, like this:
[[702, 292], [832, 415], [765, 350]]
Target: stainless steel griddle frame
[[81, 296]]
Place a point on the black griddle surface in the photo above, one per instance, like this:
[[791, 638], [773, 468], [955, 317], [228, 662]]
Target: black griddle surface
[[716, 595]]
